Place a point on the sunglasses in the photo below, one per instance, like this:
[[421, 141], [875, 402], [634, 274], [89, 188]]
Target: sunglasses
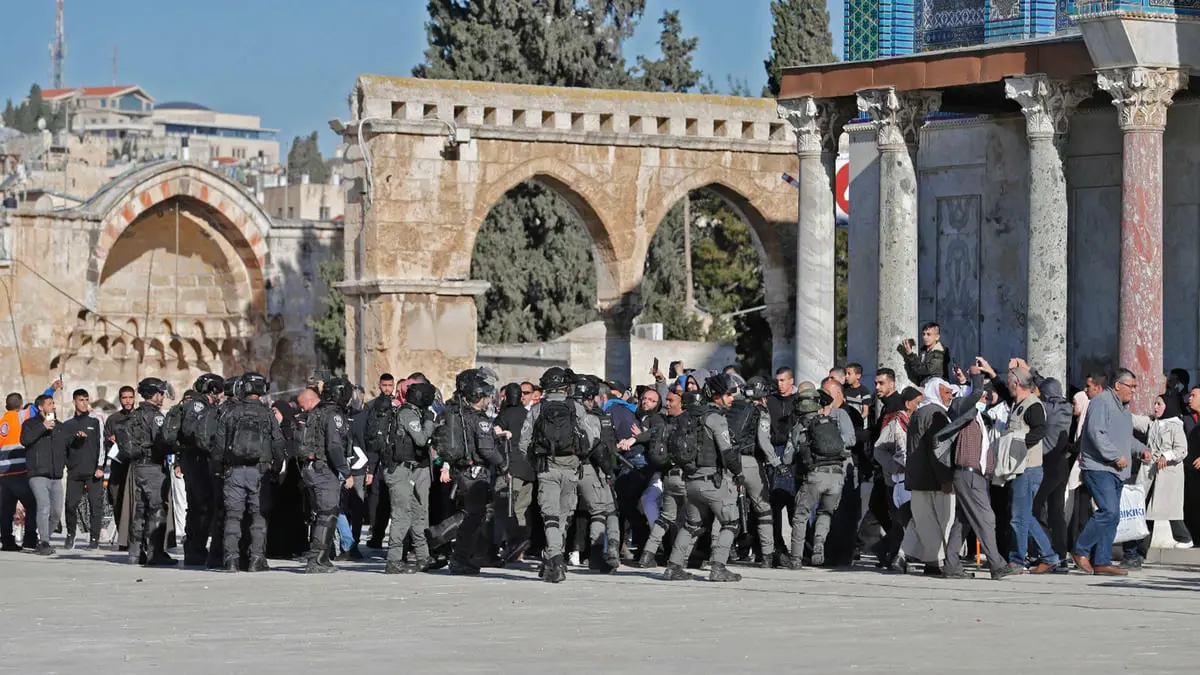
[[527, 392]]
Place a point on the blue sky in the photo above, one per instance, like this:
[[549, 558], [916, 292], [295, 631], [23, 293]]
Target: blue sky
[[293, 62]]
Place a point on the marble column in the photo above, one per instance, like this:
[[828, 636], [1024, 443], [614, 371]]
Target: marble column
[[1142, 96], [817, 125], [1047, 105], [898, 118]]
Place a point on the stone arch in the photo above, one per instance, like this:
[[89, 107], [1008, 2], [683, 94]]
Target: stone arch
[[587, 198], [232, 214]]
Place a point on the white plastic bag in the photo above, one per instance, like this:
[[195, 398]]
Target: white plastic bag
[[1133, 515]]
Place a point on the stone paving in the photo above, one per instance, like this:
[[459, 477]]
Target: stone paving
[[82, 612]]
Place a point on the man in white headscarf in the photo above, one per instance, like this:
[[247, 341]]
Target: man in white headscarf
[[931, 483]]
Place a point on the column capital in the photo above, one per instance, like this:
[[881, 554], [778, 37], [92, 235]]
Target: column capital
[[1046, 103], [899, 116], [817, 122], [1142, 95]]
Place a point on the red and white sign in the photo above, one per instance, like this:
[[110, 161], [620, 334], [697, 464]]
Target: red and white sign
[[841, 190]]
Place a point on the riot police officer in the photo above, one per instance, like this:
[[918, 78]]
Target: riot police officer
[[473, 459], [557, 431], [820, 453], [252, 441], [231, 391], [192, 456], [595, 485], [405, 468], [324, 442], [700, 443], [140, 439], [750, 429]]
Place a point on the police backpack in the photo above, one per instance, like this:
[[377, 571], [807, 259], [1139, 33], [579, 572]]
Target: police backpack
[[249, 438], [556, 432], [826, 438], [172, 423], [381, 428], [683, 442], [450, 436], [743, 427], [604, 452]]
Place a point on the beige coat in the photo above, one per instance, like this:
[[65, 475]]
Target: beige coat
[[1165, 438]]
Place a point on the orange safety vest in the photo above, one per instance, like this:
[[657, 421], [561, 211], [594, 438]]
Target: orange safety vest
[[10, 427]]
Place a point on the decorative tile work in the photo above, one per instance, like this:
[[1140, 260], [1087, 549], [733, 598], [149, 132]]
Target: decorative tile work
[[1002, 10], [950, 23], [861, 30], [1064, 18]]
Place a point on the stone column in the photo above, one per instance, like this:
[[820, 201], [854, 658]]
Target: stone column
[[899, 118], [1142, 96], [817, 125], [618, 325], [1047, 105]]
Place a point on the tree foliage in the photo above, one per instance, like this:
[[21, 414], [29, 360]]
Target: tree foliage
[[330, 325], [24, 116], [673, 72], [304, 157], [801, 36]]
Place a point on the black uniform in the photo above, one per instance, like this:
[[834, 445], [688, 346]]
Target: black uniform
[[324, 440], [215, 443], [85, 455], [252, 442], [193, 457], [473, 479], [118, 471], [140, 438]]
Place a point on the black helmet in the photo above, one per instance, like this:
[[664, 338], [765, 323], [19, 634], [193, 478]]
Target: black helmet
[[690, 399], [585, 387], [476, 388], [151, 386], [757, 388], [209, 384], [420, 394], [554, 379], [718, 385], [338, 391], [232, 387], [254, 384]]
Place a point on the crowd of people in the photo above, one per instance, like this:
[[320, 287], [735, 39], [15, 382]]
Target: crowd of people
[[702, 470]]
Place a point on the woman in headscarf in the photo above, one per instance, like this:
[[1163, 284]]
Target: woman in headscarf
[[891, 451], [930, 482], [1163, 476]]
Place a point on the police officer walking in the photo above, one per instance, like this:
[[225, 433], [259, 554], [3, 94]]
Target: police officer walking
[[673, 488], [192, 456], [324, 441], [817, 447], [146, 452], [252, 441], [700, 443], [405, 468], [554, 436], [750, 429], [463, 437], [595, 485]]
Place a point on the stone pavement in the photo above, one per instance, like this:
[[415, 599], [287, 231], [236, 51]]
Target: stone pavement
[[80, 612]]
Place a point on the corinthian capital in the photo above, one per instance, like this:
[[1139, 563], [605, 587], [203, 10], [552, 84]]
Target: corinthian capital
[[1142, 95], [816, 122], [1047, 103], [899, 115]]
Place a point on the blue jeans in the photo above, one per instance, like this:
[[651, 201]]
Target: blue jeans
[[1097, 537], [1023, 524], [345, 534]]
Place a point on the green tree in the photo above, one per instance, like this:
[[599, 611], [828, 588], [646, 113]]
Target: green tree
[[800, 37], [304, 157], [330, 325], [673, 72], [24, 117]]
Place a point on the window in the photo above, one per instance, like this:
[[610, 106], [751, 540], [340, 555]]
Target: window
[[291, 212], [239, 153], [278, 213], [324, 213]]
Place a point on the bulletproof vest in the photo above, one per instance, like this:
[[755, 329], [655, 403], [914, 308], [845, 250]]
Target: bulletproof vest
[[605, 452], [311, 429], [743, 426], [404, 447], [150, 420], [707, 455], [825, 437], [380, 427]]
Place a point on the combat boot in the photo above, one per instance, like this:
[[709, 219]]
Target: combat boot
[[230, 566], [555, 570], [396, 567], [646, 561], [258, 563], [676, 573], [721, 573], [319, 564], [792, 563], [612, 557], [70, 543]]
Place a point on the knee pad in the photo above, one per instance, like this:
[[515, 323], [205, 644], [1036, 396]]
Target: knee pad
[[694, 530], [729, 527], [598, 518], [664, 523], [550, 521]]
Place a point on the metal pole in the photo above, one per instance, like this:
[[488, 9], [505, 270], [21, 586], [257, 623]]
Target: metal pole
[[688, 299]]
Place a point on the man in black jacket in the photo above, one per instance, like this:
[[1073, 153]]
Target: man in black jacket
[[85, 469], [932, 361], [45, 454], [515, 493], [118, 471]]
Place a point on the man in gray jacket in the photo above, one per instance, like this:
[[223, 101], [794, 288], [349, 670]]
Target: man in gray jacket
[[1106, 448]]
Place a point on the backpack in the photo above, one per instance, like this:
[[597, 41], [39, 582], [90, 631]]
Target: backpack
[[172, 423], [556, 432], [381, 428], [656, 450], [683, 442], [251, 434], [190, 428], [604, 454], [310, 435], [450, 436], [743, 427], [826, 438]]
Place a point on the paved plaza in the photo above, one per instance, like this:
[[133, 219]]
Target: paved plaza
[[85, 613]]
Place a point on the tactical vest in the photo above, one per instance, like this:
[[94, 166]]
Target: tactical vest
[[311, 444], [406, 449], [706, 455], [743, 426]]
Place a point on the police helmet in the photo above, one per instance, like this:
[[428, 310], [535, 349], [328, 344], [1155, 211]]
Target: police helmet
[[808, 401], [338, 391], [466, 380], [420, 394], [757, 388], [477, 388], [232, 387], [719, 385], [254, 384], [554, 379], [585, 388], [690, 399], [150, 386], [209, 384]]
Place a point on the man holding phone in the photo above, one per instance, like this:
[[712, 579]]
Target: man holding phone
[[932, 361], [45, 456]]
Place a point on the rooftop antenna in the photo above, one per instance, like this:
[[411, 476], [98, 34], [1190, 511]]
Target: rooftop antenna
[[116, 54], [58, 48]]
